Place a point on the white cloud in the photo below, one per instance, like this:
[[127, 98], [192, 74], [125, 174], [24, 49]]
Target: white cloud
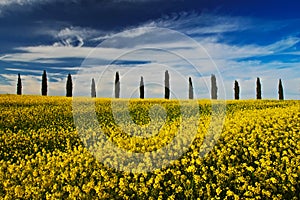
[[24, 70], [188, 23], [167, 50], [129, 33], [27, 2], [2, 57], [194, 23], [283, 44], [9, 4], [19, 2], [153, 74], [13, 4], [31, 84], [73, 36], [246, 72], [34, 53]]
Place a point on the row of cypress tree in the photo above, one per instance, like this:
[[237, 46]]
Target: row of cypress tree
[[258, 90], [44, 87], [214, 88]]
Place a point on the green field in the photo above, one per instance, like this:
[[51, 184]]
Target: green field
[[43, 156]]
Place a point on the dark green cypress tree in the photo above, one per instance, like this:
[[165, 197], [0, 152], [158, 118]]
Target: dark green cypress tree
[[258, 88], [19, 85], [236, 90], [44, 84], [142, 88], [117, 85], [167, 85], [93, 89], [280, 90], [214, 88], [191, 89], [69, 86]]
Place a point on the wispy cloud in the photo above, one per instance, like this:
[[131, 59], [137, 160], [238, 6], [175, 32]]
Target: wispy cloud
[[205, 23], [111, 48], [190, 24], [10, 4], [163, 51], [283, 44], [32, 84], [74, 36], [19, 2], [24, 70]]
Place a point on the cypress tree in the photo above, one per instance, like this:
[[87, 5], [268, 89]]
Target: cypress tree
[[258, 89], [69, 86], [44, 84], [214, 88], [93, 89], [236, 90], [280, 90], [142, 88], [191, 92], [167, 85], [117, 85], [19, 85]]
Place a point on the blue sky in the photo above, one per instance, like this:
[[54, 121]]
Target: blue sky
[[238, 40]]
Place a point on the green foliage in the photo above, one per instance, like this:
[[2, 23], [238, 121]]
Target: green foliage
[[280, 90], [93, 89], [191, 89], [19, 85], [167, 85], [44, 84], [142, 88], [258, 89], [236, 90], [214, 88], [69, 86], [117, 85]]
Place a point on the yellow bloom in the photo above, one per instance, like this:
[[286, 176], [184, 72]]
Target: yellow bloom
[[218, 190], [19, 191]]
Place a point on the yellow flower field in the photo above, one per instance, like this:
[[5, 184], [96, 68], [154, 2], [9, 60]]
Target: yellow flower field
[[44, 156]]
